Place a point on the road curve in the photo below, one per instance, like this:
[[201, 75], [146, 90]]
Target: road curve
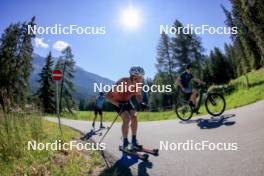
[[243, 127]]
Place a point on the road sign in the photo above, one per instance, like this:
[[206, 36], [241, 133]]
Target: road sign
[[56, 75]]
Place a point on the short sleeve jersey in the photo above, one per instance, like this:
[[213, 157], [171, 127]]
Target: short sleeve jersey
[[186, 79]]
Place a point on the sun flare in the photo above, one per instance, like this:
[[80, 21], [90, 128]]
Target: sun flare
[[131, 18]]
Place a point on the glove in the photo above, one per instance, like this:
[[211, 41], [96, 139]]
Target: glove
[[121, 105], [143, 106]]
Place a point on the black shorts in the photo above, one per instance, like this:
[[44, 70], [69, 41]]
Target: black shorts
[[124, 106], [186, 95], [97, 110]]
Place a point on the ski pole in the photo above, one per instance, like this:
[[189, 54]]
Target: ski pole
[[102, 152], [108, 129]]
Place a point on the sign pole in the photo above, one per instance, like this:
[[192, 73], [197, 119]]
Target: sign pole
[[57, 105], [57, 76]]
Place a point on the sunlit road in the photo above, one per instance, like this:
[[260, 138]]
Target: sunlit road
[[246, 129]]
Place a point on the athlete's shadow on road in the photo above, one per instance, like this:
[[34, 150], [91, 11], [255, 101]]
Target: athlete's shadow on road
[[122, 167], [91, 133], [142, 168], [213, 122]]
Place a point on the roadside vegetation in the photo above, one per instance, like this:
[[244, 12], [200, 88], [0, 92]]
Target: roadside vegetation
[[16, 159], [243, 94]]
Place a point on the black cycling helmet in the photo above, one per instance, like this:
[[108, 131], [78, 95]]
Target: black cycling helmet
[[136, 71], [188, 66]]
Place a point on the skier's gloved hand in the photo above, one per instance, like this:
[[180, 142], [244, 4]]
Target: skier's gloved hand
[[122, 106], [143, 106]]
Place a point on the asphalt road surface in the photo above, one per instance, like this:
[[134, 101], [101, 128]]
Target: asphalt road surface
[[241, 129]]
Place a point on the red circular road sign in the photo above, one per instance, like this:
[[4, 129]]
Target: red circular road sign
[[56, 75]]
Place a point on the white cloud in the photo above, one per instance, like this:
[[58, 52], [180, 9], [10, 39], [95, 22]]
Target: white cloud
[[60, 45], [39, 42]]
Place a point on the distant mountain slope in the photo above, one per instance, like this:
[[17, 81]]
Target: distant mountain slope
[[84, 80]]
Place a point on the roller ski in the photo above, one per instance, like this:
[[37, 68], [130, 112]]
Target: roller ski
[[131, 152], [140, 148]]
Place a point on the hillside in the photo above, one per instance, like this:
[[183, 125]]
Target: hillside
[[83, 80]]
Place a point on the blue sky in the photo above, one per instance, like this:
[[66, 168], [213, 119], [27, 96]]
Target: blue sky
[[111, 55]]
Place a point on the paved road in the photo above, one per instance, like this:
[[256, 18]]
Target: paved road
[[244, 126]]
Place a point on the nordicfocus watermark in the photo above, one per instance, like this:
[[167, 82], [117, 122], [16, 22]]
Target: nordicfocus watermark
[[199, 30], [191, 145], [138, 87], [59, 145], [58, 29]]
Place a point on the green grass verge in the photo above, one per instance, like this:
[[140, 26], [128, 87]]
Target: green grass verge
[[243, 95], [239, 97], [16, 159], [109, 116]]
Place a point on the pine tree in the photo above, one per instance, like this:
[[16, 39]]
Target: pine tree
[[15, 65], [206, 73], [66, 63], [238, 49], [246, 37], [248, 42], [82, 104], [231, 60], [252, 15], [160, 100], [187, 49], [180, 44], [219, 67], [25, 62], [197, 55], [166, 65], [245, 16], [46, 91]]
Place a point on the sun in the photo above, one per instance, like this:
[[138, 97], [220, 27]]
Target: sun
[[130, 18]]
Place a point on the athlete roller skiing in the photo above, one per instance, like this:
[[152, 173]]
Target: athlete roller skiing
[[124, 107]]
